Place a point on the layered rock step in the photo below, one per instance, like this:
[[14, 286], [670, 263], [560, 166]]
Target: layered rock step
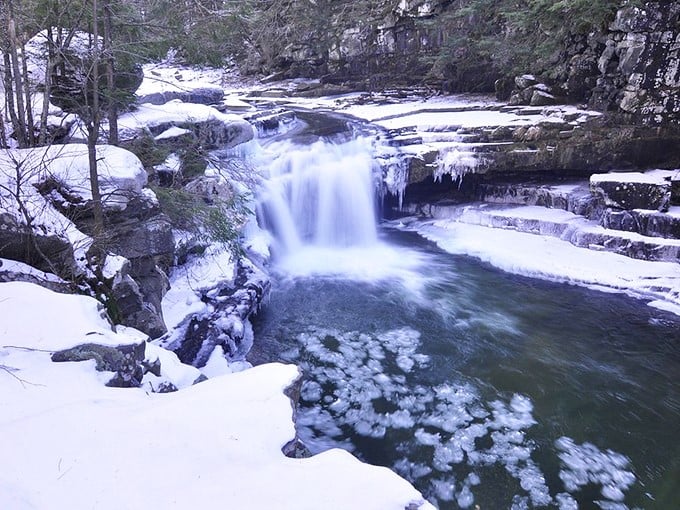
[[623, 213], [564, 225]]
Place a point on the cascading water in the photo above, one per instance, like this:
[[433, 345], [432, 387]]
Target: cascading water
[[320, 195], [319, 205]]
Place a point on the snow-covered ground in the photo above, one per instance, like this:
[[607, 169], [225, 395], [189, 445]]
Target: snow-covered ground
[[68, 441]]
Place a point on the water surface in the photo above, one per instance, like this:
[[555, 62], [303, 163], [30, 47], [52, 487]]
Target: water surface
[[481, 387]]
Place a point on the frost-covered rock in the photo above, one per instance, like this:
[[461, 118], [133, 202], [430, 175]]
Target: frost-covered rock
[[14, 271], [223, 324]]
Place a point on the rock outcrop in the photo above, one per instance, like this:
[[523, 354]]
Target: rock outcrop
[[639, 67]]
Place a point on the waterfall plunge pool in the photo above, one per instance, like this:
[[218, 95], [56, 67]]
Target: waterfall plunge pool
[[484, 389]]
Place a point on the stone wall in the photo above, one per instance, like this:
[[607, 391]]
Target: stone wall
[[639, 67]]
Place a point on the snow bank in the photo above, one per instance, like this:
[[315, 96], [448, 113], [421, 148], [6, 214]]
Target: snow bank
[[119, 170], [66, 320], [73, 443], [553, 259]]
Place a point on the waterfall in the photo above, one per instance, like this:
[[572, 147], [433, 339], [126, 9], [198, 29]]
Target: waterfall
[[320, 195]]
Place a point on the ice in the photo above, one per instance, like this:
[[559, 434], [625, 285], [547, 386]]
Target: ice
[[465, 497], [443, 489], [557, 260], [586, 464], [566, 502], [401, 419], [444, 456]]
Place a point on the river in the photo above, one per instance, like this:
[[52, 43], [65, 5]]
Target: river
[[484, 389]]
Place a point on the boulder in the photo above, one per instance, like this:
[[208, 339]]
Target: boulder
[[632, 190], [542, 98], [126, 361], [525, 81], [205, 94], [133, 308]]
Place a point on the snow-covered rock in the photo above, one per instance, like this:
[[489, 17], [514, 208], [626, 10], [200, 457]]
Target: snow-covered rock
[[206, 122], [632, 190], [73, 443], [120, 172]]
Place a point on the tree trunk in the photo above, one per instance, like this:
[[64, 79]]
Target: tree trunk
[[30, 126], [48, 87], [93, 129], [16, 75], [9, 101], [110, 84], [3, 136]]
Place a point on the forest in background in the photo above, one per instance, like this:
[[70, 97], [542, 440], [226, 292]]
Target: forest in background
[[454, 37]]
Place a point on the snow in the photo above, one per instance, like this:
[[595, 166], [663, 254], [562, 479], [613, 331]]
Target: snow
[[173, 132], [148, 116], [75, 320], [557, 260], [113, 264], [630, 177], [74, 443], [204, 272], [160, 78]]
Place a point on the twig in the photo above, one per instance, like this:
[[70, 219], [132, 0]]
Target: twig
[[32, 349], [23, 382]]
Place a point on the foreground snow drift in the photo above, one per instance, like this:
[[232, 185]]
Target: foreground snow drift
[[69, 442]]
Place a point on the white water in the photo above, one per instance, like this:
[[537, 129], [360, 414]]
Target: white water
[[319, 204], [321, 195]]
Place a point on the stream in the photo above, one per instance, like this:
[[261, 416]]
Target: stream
[[484, 389]]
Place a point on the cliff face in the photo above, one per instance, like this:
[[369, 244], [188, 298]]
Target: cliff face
[[632, 67], [639, 67]]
